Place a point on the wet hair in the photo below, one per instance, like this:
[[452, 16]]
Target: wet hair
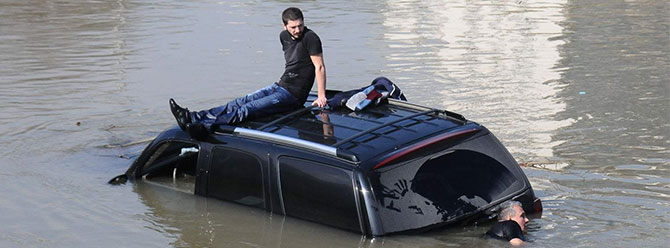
[[507, 209], [291, 14]]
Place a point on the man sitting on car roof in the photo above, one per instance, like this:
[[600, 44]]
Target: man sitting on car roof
[[304, 61]]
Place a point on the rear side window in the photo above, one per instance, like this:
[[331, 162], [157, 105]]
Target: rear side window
[[318, 192], [236, 176]]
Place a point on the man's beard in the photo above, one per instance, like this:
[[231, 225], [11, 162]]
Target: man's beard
[[294, 36]]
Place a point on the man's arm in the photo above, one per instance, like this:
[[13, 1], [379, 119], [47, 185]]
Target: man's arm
[[320, 71]]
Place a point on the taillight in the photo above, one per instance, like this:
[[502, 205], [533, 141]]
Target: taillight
[[422, 144], [537, 205]]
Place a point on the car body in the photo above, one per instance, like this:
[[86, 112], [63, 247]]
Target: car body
[[392, 168]]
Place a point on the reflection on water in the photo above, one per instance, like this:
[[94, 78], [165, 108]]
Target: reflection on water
[[194, 221], [618, 184], [612, 68], [580, 85], [494, 62]]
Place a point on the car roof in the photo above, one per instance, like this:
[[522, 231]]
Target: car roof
[[367, 133]]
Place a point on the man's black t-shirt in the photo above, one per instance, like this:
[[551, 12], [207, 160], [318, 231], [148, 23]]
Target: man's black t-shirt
[[298, 76], [506, 230]]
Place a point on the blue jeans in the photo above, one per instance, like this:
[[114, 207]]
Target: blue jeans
[[266, 101]]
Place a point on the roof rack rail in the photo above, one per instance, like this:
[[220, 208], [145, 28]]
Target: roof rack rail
[[453, 115], [370, 130], [251, 133], [407, 104]]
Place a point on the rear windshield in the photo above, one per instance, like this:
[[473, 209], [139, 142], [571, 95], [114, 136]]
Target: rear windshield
[[429, 191]]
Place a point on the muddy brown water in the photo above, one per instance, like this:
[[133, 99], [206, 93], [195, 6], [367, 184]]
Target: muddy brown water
[[577, 90]]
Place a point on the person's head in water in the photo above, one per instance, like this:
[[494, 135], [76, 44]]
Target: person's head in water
[[512, 210], [293, 22]]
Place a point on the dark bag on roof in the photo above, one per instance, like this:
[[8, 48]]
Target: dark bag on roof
[[379, 91]]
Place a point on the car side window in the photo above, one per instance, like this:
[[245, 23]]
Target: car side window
[[236, 176], [318, 192]]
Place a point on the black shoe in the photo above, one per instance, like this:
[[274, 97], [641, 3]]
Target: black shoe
[[181, 114], [197, 131]]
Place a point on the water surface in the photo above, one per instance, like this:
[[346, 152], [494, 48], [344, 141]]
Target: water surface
[[578, 90]]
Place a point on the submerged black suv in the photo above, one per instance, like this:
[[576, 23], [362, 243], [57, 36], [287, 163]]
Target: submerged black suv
[[395, 167]]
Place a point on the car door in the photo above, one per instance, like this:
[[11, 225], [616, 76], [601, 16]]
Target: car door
[[319, 192]]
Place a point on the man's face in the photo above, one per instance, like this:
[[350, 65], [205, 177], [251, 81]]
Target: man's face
[[295, 28], [520, 217]]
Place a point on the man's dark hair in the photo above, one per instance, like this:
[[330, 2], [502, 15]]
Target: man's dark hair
[[291, 14]]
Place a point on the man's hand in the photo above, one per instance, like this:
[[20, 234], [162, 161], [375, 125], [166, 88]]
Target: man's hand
[[320, 101]]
